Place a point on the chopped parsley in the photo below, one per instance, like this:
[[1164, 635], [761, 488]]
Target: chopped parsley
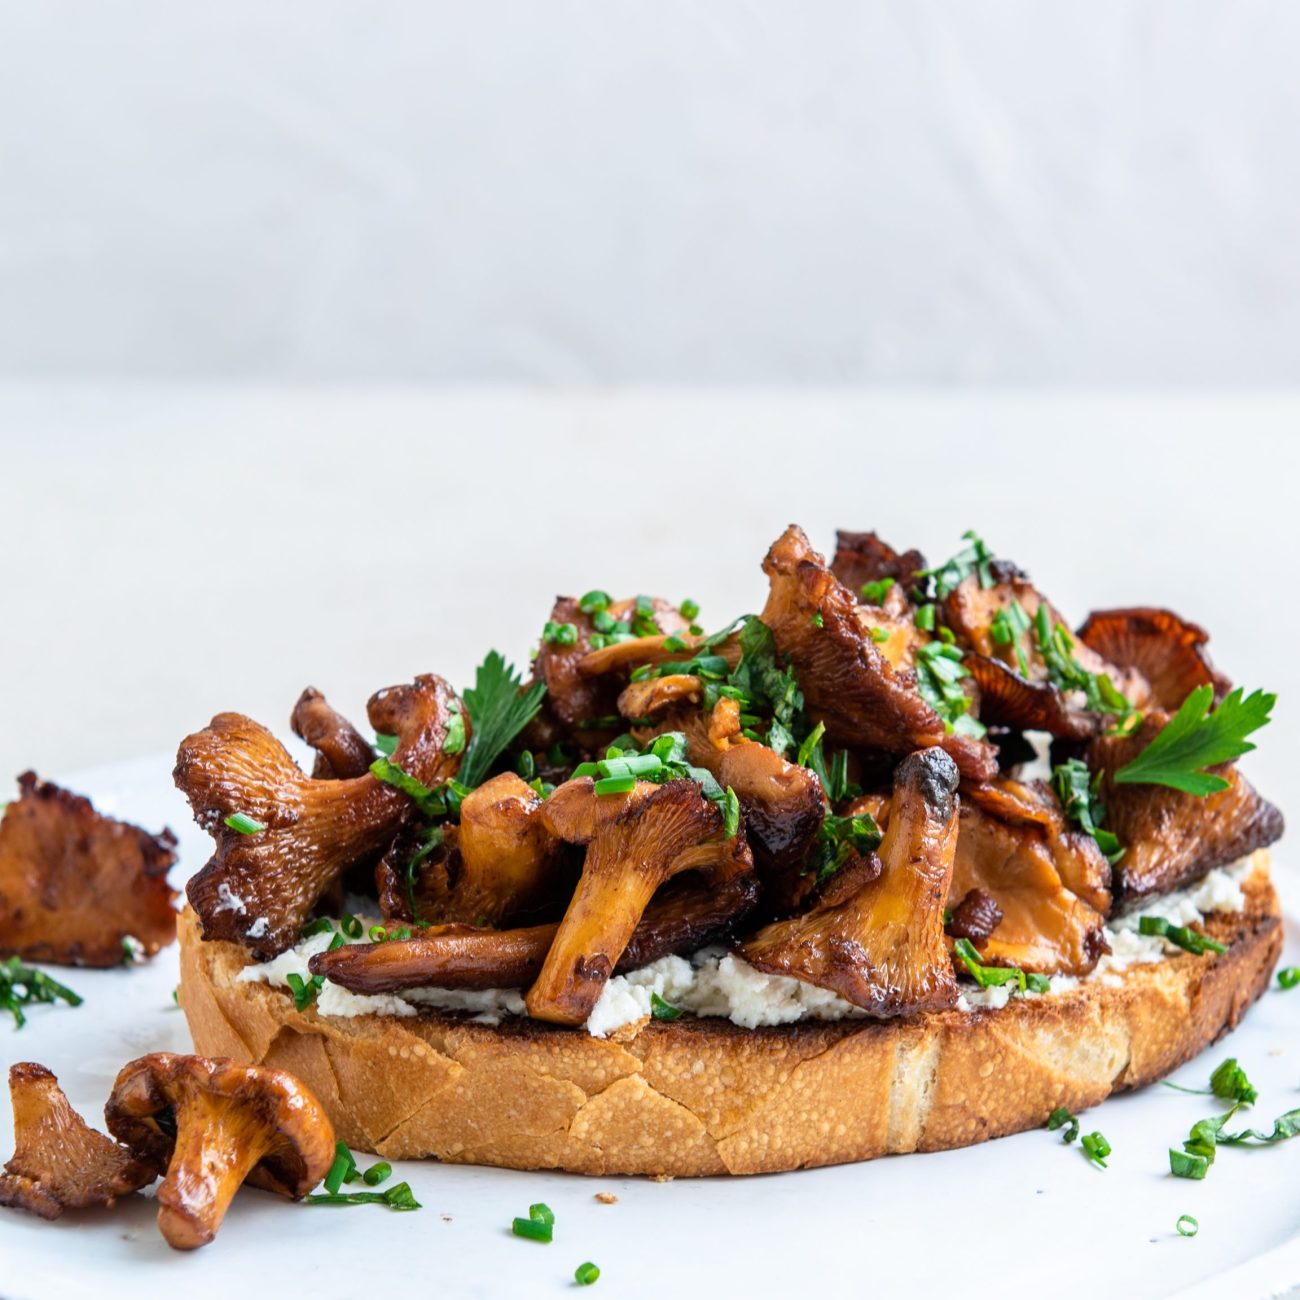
[[1078, 792], [973, 559], [1195, 739], [939, 672], [838, 840], [22, 986], [991, 976], [834, 775], [1189, 940], [1066, 673]]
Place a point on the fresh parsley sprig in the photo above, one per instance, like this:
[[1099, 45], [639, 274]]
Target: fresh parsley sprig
[[499, 709], [1195, 739]]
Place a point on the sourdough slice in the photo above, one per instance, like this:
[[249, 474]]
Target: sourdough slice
[[705, 1096]]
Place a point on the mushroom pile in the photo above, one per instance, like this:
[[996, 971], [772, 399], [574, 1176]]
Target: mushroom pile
[[897, 777]]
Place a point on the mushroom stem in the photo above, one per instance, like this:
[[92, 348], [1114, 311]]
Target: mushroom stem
[[215, 1152]]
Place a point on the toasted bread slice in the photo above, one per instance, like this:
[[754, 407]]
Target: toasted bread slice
[[705, 1096]]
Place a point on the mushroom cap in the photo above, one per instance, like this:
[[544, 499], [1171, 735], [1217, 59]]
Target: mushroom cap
[[265, 1103]]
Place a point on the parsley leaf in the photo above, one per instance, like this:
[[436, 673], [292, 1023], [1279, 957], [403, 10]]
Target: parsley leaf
[[1195, 739], [1077, 791], [938, 582], [939, 669], [499, 709]]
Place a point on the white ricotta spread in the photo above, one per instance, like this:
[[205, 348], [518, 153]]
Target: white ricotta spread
[[715, 982]]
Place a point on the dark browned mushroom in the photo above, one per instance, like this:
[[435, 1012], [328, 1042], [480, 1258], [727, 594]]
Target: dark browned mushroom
[[341, 750], [683, 917], [259, 887], [847, 682], [862, 557], [59, 1161], [1050, 882], [1171, 838], [1165, 650], [75, 886], [212, 1125], [635, 842], [883, 947]]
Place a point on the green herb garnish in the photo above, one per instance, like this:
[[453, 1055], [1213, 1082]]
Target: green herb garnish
[[385, 744], [1288, 977], [244, 824], [689, 610], [838, 840], [662, 1010], [1207, 1135], [1195, 739], [22, 986], [874, 593], [1096, 1148], [343, 1170], [1078, 793], [1066, 673], [565, 634], [377, 1173], [939, 669], [586, 1274], [1187, 1226], [993, 976], [1062, 1118], [1009, 626], [1189, 940], [499, 709], [397, 1197], [538, 1226], [974, 559]]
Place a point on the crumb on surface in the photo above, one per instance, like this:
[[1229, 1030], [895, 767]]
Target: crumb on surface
[[607, 1198], [446, 1218], [661, 1178]]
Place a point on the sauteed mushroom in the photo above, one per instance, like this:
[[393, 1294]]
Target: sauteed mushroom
[[341, 750]]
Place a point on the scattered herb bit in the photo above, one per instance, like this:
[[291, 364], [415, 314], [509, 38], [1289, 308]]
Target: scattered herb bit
[[730, 814], [455, 741], [542, 1213], [560, 633], [880, 635], [430, 840], [538, 1226], [499, 708], [376, 934], [321, 925], [1187, 1226], [1207, 1135], [1078, 793], [1009, 626], [838, 840], [924, 618], [1195, 739], [1288, 977], [304, 990], [1096, 1147], [586, 1274], [993, 976], [22, 986], [973, 559], [1190, 940], [244, 824], [1229, 1081], [595, 601], [818, 620], [1066, 673], [689, 610], [176, 997], [674, 644], [385, 744], [429, 803], [1062, 1118], [939, 670], [662, 1010], [615, 784], [343, 1170], [874, 593], [644, 622], [377, 1173], [397, 1197], [350, 926]]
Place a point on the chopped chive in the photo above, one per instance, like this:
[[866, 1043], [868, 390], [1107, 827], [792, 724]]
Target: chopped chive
[[343, 1170], [1096, 1147], [881, 634], [377, 934], [533, 1229], [304, 990], [321, 925], [1187, 1164], [1187, 1226], [377, 1174], [586, 1274], [385, 744], [662, 1010], [1288, 977], [690, 611], [1189, 940], [542, 1213], [925, 618], [397, 1197], [244, 824], [674, 644], [730, 814], [594, 601], [615, 784], [350, 926], [818, 620], [1061, 1118], [874, 593]]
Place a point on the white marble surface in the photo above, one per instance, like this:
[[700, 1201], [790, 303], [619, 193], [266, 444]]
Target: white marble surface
[[917, 191]]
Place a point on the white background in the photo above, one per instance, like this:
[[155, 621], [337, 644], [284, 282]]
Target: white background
[[888, 191]]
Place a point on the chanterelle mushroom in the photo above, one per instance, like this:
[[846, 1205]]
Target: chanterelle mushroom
[[883, 947], [214, 1125], [635, 842], [75, 885], [341, 750], [259, 887], [59, 1161], [846, 679]]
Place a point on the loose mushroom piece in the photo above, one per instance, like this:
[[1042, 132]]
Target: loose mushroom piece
[[1170, 838], [59, 1161], [261, 885], [76, 887], [341, 750], [657, 695], [1165, 650], [847, 682], [883, 947], [213, 1125], [683, 917], [501, 863], [635, 842], [1015, 848]]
